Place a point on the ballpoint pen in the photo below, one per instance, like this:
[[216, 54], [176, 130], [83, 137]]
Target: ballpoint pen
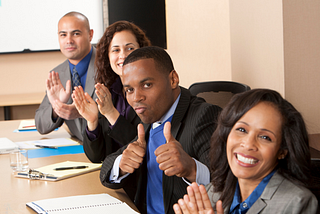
[[49, 147], [32, 126], [70, 167]]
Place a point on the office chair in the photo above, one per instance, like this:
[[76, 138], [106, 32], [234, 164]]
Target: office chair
[[217, 92]]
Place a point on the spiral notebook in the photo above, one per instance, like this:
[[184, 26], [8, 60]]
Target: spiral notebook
[[81, 204]]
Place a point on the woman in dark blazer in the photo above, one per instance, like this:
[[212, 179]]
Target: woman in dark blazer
[[260, 160], [111, 122]]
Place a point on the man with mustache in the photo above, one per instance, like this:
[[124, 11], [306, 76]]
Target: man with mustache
[[173, 142], [74, 35]]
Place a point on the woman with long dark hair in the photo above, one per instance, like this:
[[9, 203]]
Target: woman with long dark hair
[[111, 122], [260, 160]]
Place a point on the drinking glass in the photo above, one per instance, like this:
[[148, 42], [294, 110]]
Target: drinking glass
[[19, 160]]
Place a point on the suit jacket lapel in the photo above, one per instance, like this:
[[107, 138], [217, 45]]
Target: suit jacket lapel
[[90, 75], [64, 76], [131, 115], [146, 129], [182, 107], [267, 194], [180, 111]]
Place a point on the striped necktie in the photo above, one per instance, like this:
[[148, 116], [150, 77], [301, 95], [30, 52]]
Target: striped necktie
[[75, 77]]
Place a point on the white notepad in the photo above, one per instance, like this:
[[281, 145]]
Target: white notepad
[[55, 142], [27, 125], [7, 145], [56, 175], [81, 204]]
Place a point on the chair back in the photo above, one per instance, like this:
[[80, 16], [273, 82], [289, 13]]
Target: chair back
[[315, 175], [217, 92]]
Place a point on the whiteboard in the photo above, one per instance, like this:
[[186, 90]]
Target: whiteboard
[[33, 24]]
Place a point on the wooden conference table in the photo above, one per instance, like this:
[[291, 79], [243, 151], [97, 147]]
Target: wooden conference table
[[16, 192], [8, 100]]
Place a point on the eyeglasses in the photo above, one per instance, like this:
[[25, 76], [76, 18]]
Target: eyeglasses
[[36, 175]]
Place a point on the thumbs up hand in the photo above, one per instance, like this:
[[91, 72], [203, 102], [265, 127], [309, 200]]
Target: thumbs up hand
[[133, 155], [172, 159]]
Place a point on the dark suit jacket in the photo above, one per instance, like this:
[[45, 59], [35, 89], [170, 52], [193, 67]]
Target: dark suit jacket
[[43, 117], [123, 131], [193, 123], [279, 196]]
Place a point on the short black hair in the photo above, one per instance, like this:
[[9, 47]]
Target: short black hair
[[159, 55]]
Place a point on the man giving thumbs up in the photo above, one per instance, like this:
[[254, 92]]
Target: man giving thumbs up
[[172, 145]]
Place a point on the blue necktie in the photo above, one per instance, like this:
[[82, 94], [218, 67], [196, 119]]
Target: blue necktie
[[75, 77]]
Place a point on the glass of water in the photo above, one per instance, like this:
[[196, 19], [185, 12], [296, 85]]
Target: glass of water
[[19, 160]]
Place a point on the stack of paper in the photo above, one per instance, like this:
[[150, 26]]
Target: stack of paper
[[7, 145]]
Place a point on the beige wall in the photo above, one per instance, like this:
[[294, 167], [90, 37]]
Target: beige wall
[[198, 35], [275, 44], [265, 44], [272, 44], [302, 58], [257, 43]]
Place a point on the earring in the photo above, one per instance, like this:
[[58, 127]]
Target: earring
[[281, 157]]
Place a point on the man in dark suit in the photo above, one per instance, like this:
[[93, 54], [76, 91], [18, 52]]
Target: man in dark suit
[[56, 108], [173, 142]]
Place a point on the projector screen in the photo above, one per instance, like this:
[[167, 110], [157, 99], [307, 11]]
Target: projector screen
[[32, 25]]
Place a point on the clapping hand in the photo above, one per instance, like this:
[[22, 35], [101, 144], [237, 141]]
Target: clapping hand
[[55, 90], [58, 97], [86, 107], [65, 111], [196, 202], [105, 103]]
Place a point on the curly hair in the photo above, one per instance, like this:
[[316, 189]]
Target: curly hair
[[295, 166], [104, 73]]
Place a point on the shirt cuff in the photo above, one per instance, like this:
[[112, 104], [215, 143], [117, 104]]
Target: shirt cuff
[[92, 135], [203, 174], [114, 174], [54, 120], [111, 126]]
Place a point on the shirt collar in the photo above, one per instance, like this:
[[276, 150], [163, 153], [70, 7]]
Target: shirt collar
[[83, 65], [253, 197], [168, 114]]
